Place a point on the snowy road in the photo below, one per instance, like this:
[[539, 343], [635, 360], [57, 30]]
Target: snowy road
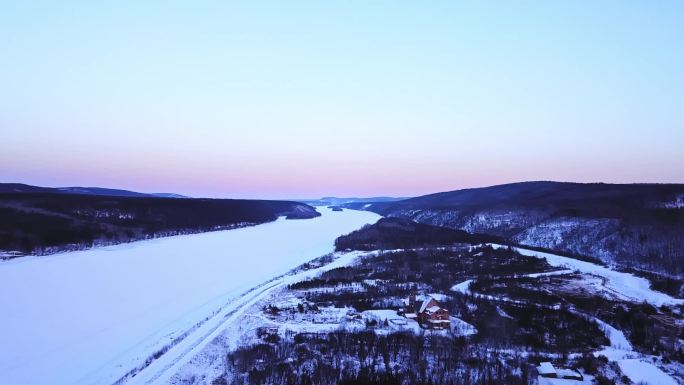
[[162, 369], [627, 286], [159, 370], [90, 317], [638, 367]]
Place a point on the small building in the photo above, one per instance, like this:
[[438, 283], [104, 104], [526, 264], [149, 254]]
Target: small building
[[546, 369], [354, 316], [569, 374], [427, 312]]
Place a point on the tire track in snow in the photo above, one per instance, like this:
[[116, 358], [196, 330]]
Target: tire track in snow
[[205, 333], [160, 370]]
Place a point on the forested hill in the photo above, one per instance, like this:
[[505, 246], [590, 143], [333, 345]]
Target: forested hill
[[402, 233], [637, 225], [25, 188], [47, 222]]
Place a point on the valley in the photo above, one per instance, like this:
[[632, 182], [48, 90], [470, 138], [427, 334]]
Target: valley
[[342, 193], [41, 221], [509, 309], [195, 291], [92, 316]]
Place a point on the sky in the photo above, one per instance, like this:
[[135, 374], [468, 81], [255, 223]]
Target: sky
[[348, 98]]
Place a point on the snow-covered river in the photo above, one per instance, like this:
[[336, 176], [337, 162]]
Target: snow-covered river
[[88, 316]]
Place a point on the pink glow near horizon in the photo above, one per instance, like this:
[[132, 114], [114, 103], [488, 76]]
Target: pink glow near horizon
[[297, 180], [358, 99]]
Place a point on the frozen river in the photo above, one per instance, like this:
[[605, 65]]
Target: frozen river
[[89, 316]]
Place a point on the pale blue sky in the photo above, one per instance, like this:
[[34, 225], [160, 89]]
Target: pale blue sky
[[302, 99]]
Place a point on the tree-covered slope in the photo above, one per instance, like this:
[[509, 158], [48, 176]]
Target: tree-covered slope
[[638, 225], [48, 222]]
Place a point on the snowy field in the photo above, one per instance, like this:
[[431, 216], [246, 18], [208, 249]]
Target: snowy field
[[232, 326], [204, 360], [90, 316], [638, 367], [641, 372], [627, 286], [634, 365]]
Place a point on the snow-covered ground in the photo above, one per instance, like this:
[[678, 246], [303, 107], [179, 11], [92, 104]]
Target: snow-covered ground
[[618, 341], [548, 273], [634, 365], [205, 361], [638, 367], [641, 372], [463, 287], [628, 286], [88, 317], [588, 380], [233, 324], [461, 328], [395, 322]]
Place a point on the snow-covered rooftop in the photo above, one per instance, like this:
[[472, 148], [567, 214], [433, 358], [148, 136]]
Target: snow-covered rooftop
[[567, 373], [545, 368], [433, 309], [425, 303]]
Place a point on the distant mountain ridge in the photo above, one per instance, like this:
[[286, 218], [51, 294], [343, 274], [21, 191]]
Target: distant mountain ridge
[[25, 188], [635, 225], [336, 201]]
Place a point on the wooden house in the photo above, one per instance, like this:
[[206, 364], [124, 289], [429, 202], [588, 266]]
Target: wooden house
[[427, 312]]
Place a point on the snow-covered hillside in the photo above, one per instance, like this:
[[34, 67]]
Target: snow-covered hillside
[[608, 239], [632, 225], [89, 317], [624, 285]]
